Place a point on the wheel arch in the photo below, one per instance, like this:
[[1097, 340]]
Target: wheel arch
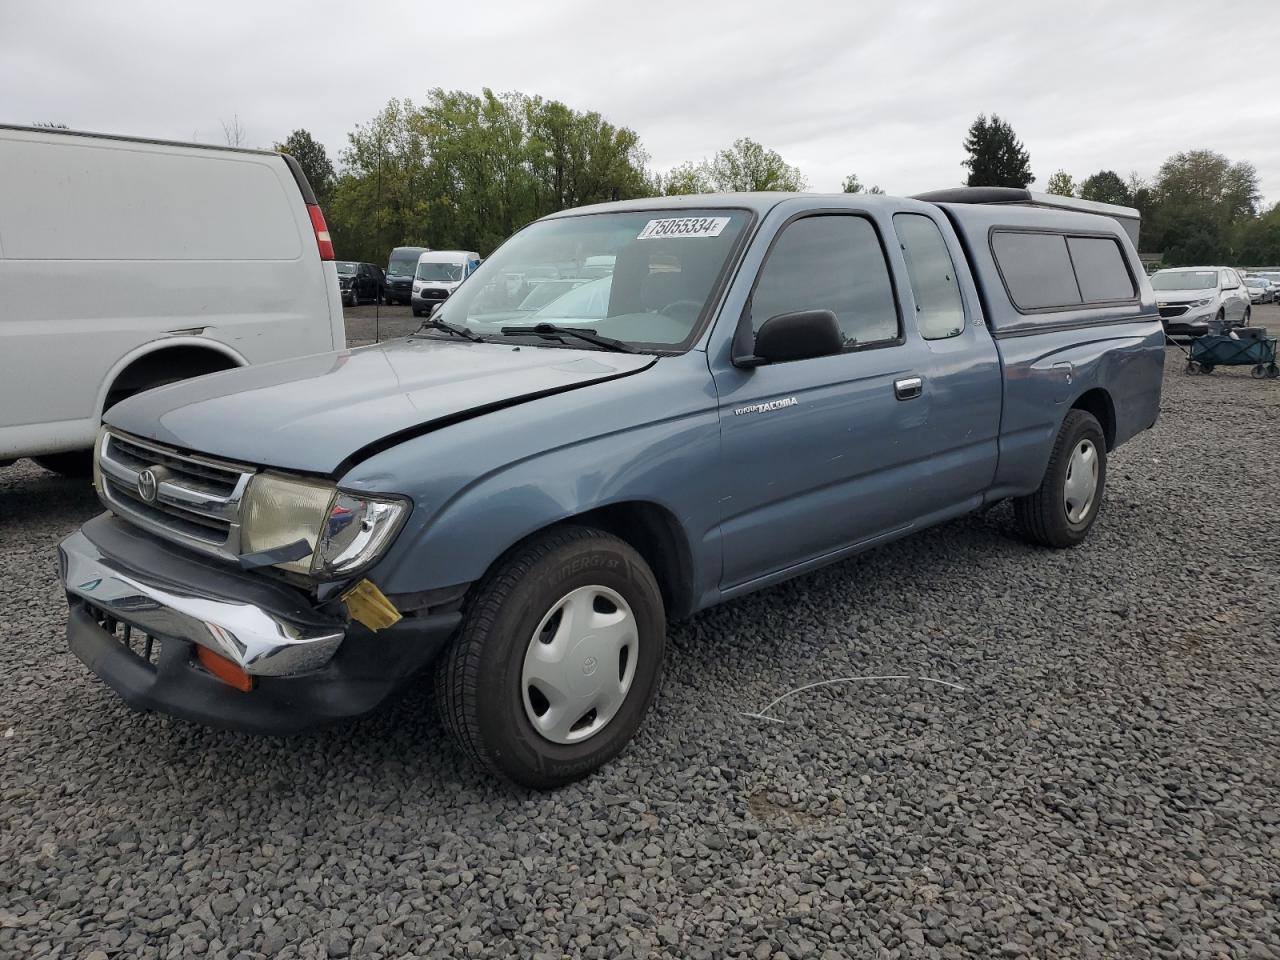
[[651, 530], [1098, 402], [188, 353]]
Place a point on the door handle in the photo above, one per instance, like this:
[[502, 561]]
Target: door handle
[[908, 388]]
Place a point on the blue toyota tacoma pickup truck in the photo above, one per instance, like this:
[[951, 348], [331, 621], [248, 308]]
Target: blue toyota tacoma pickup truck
[[523, 493]]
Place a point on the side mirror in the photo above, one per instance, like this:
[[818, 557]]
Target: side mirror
[[788, 336]]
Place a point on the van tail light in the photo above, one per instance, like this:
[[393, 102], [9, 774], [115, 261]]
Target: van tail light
[[322, 232]]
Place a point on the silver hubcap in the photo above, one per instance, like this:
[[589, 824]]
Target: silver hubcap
[[1082, 481], [579, 665]]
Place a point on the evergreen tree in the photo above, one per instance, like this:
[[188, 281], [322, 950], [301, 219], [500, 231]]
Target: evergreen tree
[[312, 158], [996, 156]]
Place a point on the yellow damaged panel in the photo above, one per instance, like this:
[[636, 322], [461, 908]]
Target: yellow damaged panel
[[369, 605]]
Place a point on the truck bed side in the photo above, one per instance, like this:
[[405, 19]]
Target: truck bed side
[[1106, 357]]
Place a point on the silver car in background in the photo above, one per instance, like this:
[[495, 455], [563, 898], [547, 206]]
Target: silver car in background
[[1190, 298], [1261, 290]]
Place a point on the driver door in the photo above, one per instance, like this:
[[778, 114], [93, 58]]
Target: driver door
[[823, 453]]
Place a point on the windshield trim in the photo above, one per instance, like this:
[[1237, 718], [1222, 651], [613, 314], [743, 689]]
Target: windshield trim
[[715, 296]]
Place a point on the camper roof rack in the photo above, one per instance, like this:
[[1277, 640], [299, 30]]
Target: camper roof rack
[[1128, 217]]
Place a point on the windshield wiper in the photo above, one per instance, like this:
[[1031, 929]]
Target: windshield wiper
[[436, 324], [553, 331]]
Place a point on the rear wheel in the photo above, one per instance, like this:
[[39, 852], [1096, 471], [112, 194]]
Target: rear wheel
[[558, 658], [1062, 511]]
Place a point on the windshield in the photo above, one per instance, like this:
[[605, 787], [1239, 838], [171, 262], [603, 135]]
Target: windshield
[[403, 264], [439, 271], [346, 268], [642, 278], [1185, 280]]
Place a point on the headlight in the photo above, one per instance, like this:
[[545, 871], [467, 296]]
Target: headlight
[[1202, 303], [344, 531]]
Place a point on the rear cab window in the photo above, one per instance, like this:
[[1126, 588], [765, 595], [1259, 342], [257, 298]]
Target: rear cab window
[[932, 275]]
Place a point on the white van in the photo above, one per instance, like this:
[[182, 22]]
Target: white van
[[129, 263], [438, 275]]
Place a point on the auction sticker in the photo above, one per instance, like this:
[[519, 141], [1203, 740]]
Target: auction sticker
[[683, 227]]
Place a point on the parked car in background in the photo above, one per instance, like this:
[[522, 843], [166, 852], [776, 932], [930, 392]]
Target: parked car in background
[[401, 266], [438, 274], [359, 282], [1261, 289], [128, 263], [1188, 298], [764, 384], [1272, 277]]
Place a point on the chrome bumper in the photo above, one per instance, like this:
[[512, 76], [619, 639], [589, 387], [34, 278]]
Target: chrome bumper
[[262, 642]]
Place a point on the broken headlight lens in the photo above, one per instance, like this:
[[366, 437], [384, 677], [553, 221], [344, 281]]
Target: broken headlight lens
[[343, 532], [356, 532]]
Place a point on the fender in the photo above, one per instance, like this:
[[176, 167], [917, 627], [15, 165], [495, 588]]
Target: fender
[[151, 346]]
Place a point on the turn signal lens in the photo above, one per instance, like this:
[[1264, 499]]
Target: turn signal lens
[[224, 669]]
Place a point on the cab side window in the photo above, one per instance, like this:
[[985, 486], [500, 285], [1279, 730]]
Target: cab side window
[[830, 262], [939, 306]]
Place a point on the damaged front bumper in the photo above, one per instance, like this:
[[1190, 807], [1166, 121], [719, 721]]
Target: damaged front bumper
[[140, 607]]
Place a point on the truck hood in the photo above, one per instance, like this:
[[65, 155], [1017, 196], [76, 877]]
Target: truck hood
[[1184, 296], [317, 414]]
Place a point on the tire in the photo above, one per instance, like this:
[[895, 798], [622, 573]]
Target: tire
[[487, 699], [417, 312], [1259, 371], [73, 463], [1046, 517]]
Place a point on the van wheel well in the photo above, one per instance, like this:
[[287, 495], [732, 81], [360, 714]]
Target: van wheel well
[[165, 366], [656, 535], [1098, 403]]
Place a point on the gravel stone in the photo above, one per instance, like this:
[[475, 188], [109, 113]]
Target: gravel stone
[[1102, 781]]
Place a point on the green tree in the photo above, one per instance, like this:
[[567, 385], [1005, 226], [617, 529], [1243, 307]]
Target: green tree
[[851, 184], [1257, 241], [748, 166], [1105, 186], [382, 198], [313, 159], [1062, 184], [687, 178], [996, 156], [1199, 203], [876, 190]]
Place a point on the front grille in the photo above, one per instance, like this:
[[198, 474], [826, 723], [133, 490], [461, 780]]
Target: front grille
[[434, 294], [1173, 310], [194, 500], [141, 644]]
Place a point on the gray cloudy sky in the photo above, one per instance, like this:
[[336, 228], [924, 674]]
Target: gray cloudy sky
[[885, 90]]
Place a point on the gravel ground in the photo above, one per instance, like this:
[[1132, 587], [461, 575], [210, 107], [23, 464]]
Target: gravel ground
[[1101, 781], [368, 323]]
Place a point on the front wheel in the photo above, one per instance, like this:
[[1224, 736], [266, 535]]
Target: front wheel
[[1062, 511], [558, 658], [418, 313]]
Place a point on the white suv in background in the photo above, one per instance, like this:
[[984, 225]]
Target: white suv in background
[[126, 264], [1190, 297]]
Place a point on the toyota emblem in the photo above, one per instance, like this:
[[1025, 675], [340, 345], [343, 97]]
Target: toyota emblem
[[148, 486], [589, 666]]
